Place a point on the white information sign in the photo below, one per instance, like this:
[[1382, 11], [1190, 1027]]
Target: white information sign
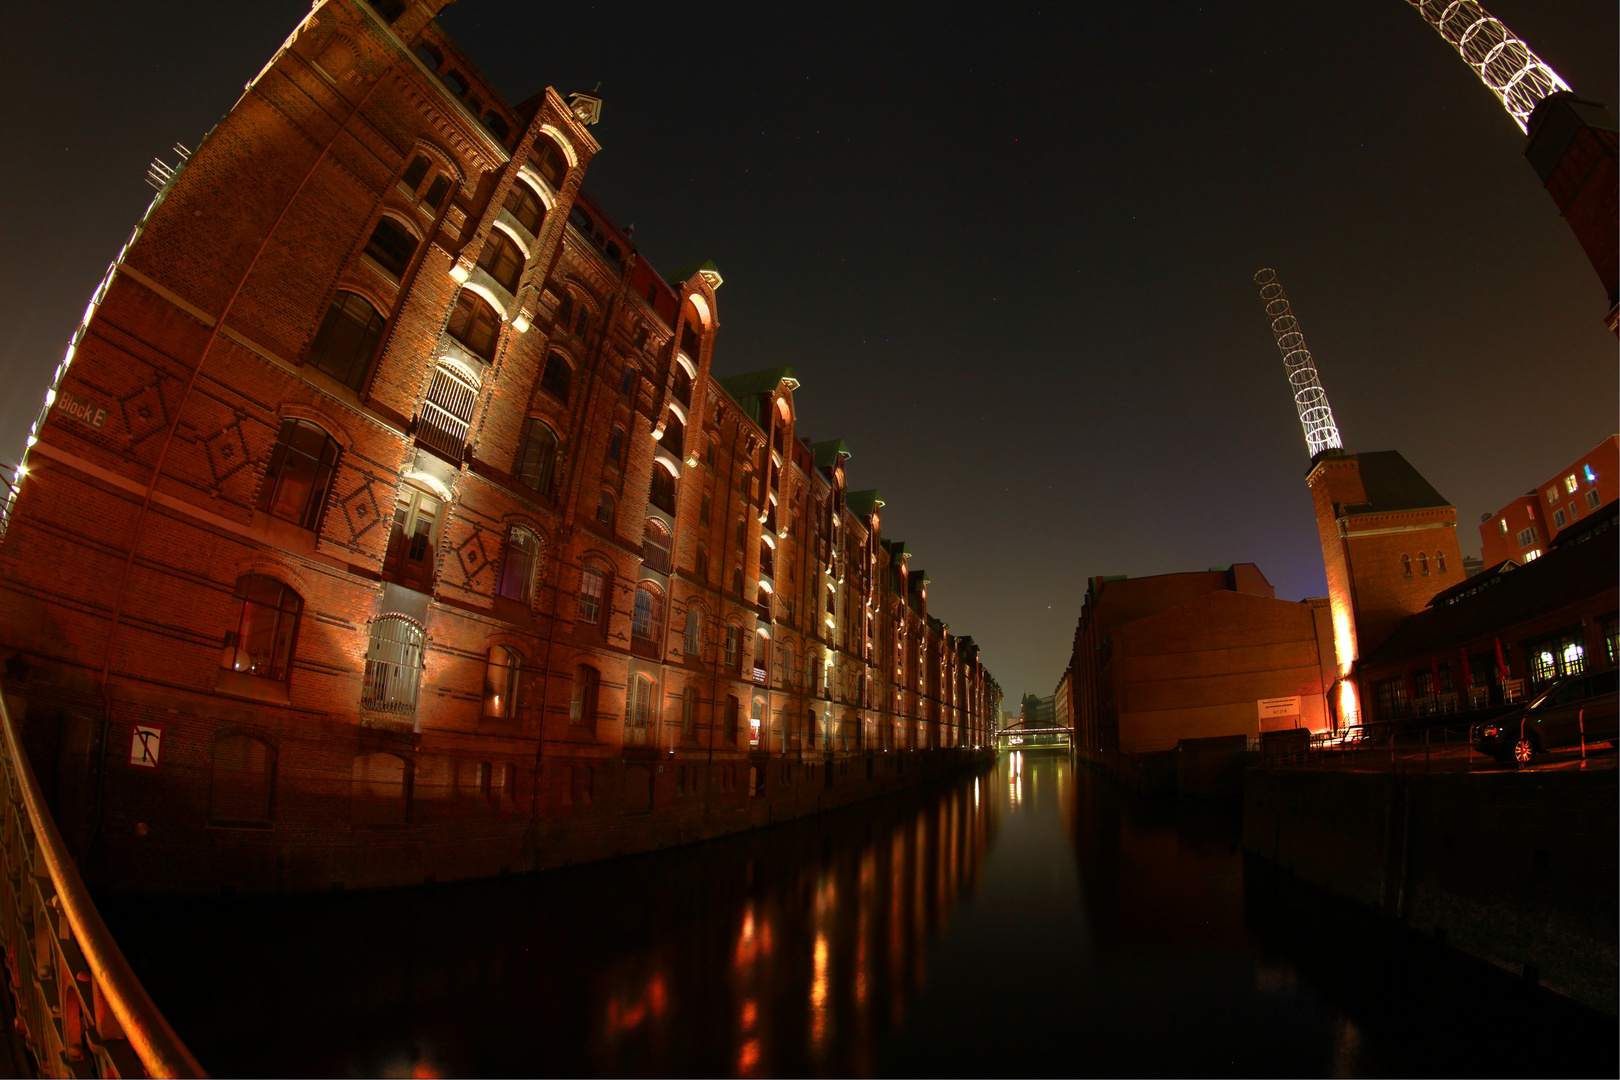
[[1271, 708], [144, 746]]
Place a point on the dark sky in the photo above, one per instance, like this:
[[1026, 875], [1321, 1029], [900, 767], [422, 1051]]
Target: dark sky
[[1006, 248]]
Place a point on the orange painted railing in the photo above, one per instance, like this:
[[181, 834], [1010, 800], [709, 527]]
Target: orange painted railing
[[80, 1007]]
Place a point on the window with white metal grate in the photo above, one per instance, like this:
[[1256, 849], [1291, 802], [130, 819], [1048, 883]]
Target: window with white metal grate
[[448, 410], [393, 665]]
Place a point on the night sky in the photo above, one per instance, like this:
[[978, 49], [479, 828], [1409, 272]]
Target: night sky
[[1006, 249]]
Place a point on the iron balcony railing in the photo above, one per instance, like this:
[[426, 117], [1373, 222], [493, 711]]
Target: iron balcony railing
[[80, 1008]]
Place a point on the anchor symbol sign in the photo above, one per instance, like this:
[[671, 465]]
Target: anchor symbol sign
[[144, 745]]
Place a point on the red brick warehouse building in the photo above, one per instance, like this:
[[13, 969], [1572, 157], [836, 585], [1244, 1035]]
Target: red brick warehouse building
[[386, 521]]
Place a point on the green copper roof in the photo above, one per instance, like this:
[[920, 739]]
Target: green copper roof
[[916, 579], [710, 272], [827, 452], [862, 503], [745, 389]]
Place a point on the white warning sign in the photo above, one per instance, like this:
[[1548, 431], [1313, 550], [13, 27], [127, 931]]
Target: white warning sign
[[145, 744]]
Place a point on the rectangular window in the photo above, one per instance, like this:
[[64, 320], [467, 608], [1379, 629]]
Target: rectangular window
[[1552, 495], [447, 410], [1593, 499], [410, 558], [1571, 485], [590, 596], [1558, 519], [1561, 653], [1527, 536], [1611, 637], [436, 191], [391, 247], [1503, 522], [733, 646]]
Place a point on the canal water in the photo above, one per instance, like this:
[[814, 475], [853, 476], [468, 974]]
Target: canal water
[[1029, 918]]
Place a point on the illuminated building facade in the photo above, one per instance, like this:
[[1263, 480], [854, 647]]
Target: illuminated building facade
[[385, 520], [1522, 530], [1164, 662]]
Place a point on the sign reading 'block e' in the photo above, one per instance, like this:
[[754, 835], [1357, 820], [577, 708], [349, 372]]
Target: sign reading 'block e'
[[145, 743]]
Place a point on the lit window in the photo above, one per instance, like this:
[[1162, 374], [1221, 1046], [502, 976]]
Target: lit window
[[266, 626], [1593, 499], [638, 704], [1532, 555], [1571, 485], [501, 682], [1552, 494], [299, 474], [591, 587], [1503, 522]]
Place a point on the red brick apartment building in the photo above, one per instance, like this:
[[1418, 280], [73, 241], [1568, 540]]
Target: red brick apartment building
[[385, 521], [1522, 529]]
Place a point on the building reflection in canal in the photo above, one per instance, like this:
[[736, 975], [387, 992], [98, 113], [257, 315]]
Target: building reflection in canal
[[1026, 919]]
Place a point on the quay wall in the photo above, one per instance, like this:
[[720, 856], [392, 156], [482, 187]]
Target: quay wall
[[1518, 869]]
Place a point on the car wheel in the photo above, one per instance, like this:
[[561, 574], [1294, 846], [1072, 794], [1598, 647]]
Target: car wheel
[[1524, 750]]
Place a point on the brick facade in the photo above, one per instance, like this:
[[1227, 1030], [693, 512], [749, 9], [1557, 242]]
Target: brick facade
[[519, 481]]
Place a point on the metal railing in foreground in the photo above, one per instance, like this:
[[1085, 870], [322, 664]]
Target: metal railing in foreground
[[80, 1007]]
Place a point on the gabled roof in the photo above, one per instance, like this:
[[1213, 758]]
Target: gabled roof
[[710, 272], [1485, 579], [916, 579], [745, 389], [827, 452], [898, 551], [862, 503], [1393, 484]]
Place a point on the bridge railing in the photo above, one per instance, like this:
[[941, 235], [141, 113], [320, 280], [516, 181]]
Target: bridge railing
[[80, 1007]]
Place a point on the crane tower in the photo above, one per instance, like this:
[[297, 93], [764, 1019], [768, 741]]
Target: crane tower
[[1518, 77], [1315, 414]]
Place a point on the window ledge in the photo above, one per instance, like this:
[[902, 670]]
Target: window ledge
[[254, 687]]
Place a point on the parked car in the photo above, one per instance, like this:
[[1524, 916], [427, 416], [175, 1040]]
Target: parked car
[[1556, 718]]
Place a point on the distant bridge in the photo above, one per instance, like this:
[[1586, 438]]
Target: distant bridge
[[1035, 738]]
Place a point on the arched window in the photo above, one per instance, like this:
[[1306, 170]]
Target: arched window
[[379, 790], [243, 782], [436, 191], [501, 682], [683, 385], [579, 219], [1406, 566], [694, 630], [525, 208], [391, 246], [346, 339], [742, 534], [447, 411], [701, 563], [647, 617], [502, 260], [415, 172], [746, 486], [582, 706], [689, 698], [1440, 561], [1423, 564], [300, 472], [456, 82], [425, 52], [674, 439], [537, 462], [549, 161], [767, 560], [497, 126], [266, 628], [592, 587], [393, 665], [519, 566], [565, 311], [787, 662], [615, 451], [662, 494], [558, 377], [604, 510], [475, 324], [655, 546]]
